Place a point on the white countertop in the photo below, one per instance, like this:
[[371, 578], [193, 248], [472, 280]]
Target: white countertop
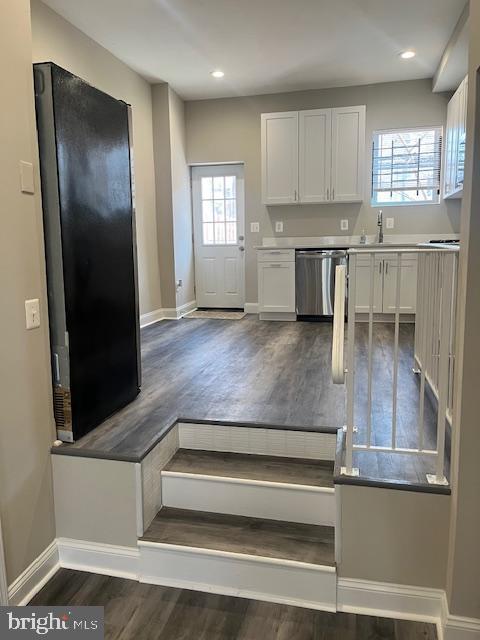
[[351, 242]]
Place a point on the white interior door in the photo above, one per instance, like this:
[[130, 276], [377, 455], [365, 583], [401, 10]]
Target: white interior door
[[219, 236]]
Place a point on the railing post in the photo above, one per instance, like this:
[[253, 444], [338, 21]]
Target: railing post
[[349, 469], [447, 274]]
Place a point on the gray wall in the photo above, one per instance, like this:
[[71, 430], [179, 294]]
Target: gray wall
[[464, 559], [26, 420], [181, 202], [174, 215], [226, 130], [394, 536], [56, 40]]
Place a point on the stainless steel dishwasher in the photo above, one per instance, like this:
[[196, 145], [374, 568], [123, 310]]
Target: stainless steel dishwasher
[[315, 281]]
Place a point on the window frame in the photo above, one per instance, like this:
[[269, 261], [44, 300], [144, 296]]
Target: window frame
[[439, 136]]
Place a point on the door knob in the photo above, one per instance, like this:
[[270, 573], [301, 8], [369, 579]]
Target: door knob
[[241, 248], [241, 237]]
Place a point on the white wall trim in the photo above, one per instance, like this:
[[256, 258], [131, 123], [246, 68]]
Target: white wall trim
[[457, 627], [353, 595], [106, 559], [251, 307], [389, 600], [186, 308], [151, 317], [35, 576], [173, 313]]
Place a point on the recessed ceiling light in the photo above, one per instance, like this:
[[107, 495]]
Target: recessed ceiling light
[[217, 73], [406, 55]]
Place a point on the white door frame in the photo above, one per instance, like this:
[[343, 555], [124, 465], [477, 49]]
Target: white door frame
[[221, 299]]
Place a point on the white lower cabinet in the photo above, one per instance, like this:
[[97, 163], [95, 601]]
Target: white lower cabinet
[[276, 281], [385, 284]]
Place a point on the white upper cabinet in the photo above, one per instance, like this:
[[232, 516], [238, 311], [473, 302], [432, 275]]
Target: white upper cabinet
[[313, 156], [454, 156], [280, 157], [348, 154]]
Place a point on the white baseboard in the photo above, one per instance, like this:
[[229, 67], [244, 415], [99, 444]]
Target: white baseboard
[[186, 308], [175, 566], [151, 317], [227, 573], [389, 600], [457, 627], [35, 576], [174, 313], [106, 559], [251, 307]]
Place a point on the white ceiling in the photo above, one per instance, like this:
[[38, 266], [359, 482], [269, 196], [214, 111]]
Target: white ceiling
[[267, 46]]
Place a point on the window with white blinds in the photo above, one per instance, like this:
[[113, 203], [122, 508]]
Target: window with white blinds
[[406, 166]]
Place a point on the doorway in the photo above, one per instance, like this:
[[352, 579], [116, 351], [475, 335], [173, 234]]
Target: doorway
[[218, 203]]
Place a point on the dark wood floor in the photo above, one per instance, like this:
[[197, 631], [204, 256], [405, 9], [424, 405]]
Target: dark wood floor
[[317, 473], [240, 534], [135, 611], [277, 373]]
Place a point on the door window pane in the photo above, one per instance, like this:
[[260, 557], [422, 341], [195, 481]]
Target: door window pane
[[230, 210], [218, 187], [219, 210], [220, 233], [231, 235], [208, 233], [207, 190], [230, 187], [207, 211]]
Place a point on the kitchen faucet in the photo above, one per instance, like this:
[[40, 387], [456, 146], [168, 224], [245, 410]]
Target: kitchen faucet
[[380, 226]]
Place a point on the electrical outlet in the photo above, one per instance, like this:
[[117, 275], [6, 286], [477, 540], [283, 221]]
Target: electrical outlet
[[343, 225], [179, 284], [279, 226], [254, 227], [390, 223], [32, 313]]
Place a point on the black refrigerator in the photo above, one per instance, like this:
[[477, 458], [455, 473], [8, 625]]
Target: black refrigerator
[[89, 227]]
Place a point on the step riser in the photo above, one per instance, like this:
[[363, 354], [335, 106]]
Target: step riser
[[271, 580], [274, 501], [259, 441]]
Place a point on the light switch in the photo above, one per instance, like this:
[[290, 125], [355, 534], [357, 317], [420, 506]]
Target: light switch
[[390, 223], [26, 177], [343, 225], [255, 227], [279, 226], [32, 313]]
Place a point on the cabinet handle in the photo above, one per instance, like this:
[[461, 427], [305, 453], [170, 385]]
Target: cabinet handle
[[328, 193], [379, 267], [295, 192], [278, 264], [333, 193], [386, 268]]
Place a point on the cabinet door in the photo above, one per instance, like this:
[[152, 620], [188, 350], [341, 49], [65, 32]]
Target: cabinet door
[[348, 154], [448, 168], [362, 285], [315, 135], [276, 287], [408, 284], [280, 157]]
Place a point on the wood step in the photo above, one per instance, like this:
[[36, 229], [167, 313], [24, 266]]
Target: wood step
[[290, 489], [312, 544], [316, 473], [254, 558]]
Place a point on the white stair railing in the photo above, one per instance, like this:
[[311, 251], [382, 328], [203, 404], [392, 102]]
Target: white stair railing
[[434, 341], [338, 366]]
